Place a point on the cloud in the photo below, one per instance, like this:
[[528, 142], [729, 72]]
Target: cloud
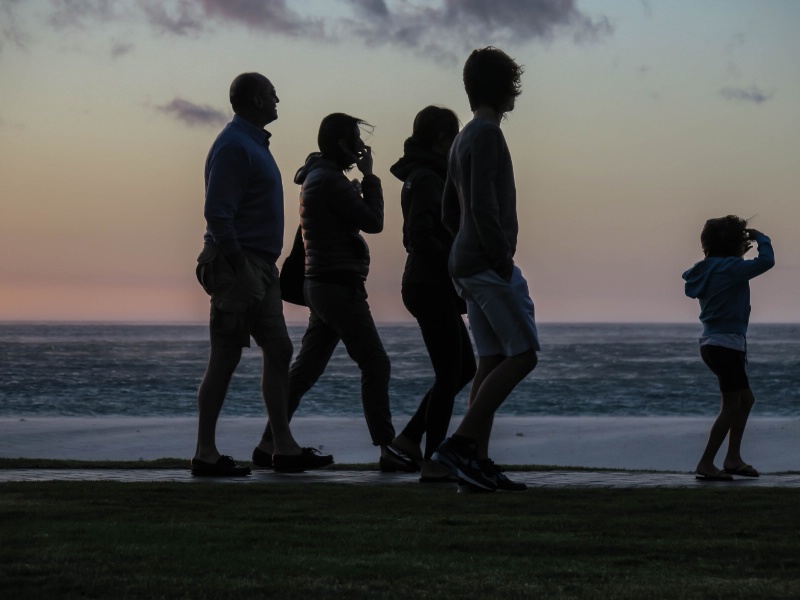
[[190, 17], [752, 94], [193, 114], [439, 30], [78, 13], [120, 49], [452, 27], [737, 40], [178, 17], [10, 31], [274, 16]]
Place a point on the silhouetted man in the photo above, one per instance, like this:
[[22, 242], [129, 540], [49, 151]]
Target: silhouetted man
[[243, 240]]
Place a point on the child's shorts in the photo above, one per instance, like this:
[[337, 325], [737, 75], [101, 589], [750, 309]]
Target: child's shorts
[[728, 365], [501, 314]]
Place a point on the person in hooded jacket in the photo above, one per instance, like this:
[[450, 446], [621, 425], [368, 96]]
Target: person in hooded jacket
[[333, 213], [427, 290], [722, 284]]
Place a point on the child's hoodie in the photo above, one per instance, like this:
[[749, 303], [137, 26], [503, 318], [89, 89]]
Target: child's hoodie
[[723, 288]]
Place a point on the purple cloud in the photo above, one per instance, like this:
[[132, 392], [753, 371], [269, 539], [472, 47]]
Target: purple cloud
[[752, 94], [454, 26], [178, 17], [120, 49], [274, 16], [10, 30], [189, 17], [441, 31], [76, 13], [193, 114]]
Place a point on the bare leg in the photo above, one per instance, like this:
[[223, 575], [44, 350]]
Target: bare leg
[[275, 389], [222, 363], [733, 459], [319, 343], [495, 379], [730, 413], [486, 364]]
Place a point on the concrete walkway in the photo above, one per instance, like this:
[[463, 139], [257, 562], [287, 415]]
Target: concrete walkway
[[632, 443], [534, 479]]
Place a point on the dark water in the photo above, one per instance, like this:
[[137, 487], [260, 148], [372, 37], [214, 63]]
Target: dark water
[[605, 369]]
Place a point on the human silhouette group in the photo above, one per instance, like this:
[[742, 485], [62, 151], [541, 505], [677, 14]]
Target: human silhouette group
[[460, 230]]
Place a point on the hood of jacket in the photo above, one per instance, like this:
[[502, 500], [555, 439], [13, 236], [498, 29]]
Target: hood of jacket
[[415, 157], [315, 160], [698, 277]]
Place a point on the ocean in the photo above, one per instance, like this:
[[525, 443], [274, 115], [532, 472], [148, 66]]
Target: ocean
[[86, 369]]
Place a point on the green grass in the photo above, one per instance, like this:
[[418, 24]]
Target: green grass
[[206, 540]]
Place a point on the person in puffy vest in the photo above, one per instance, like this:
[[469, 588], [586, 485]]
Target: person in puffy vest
[[334, 212]]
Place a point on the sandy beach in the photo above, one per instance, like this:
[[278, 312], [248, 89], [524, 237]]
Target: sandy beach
[[657, 443]]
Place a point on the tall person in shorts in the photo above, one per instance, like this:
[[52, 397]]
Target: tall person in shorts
[[479, 208], [721, 282], [243, 240]]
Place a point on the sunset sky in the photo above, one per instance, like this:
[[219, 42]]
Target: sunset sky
[[639, 120]]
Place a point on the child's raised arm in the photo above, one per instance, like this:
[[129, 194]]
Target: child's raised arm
[[766, 255]]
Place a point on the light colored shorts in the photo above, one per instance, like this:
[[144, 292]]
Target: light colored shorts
[[501, 313]]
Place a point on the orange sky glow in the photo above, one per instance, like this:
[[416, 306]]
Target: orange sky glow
[[638, 121]]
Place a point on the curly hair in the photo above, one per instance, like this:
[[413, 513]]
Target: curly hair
[[491, 78], [725, 236]]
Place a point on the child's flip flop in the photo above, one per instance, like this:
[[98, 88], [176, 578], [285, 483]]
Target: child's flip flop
[[743, 471]]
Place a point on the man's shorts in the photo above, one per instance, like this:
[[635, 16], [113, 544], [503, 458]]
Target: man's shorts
[[501, 313], [242, 304], [728, 365]]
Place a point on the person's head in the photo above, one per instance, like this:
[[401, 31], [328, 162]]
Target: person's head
[[339, 138], [435, 128], [492, 78], [253, 97], [725, 236]]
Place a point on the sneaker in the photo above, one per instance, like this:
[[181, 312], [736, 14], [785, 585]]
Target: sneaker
[[462, 460], [309, 458], [494, 472]]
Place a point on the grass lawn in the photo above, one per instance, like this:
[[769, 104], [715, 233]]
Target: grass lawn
[[174, 540]]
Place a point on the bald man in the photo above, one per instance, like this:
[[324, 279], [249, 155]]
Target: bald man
[[243, 240]]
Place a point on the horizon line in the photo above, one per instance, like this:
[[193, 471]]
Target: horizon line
[[390, 323]]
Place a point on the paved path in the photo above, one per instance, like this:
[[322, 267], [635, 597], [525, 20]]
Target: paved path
[[534, 479], [632, 443]]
